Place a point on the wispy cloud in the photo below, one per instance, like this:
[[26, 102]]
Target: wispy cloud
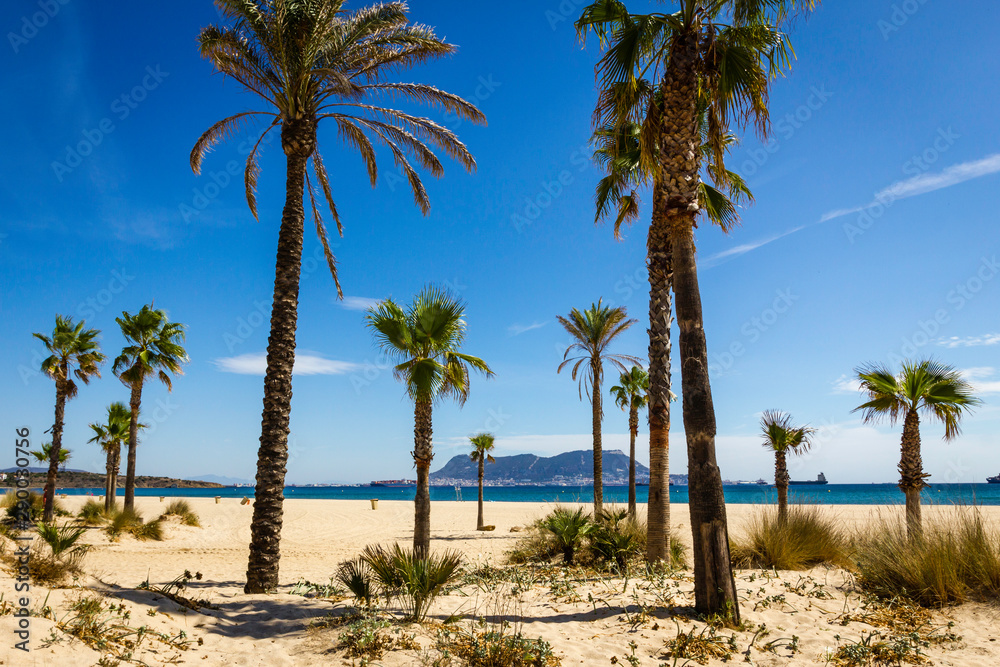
[[981, 379], [255, 363], [970, 341], [358, 302], [911, 187], [518, 329], [846, 384]]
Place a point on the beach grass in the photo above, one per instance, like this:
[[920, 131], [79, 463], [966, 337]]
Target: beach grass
[[130, 521], [806, 539], [182, 510]]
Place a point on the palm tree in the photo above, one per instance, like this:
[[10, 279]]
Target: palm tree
[[153, 348], [593, 331], [927, 386], [482, 445], [310, 61], [425, 340], [110, 436], [44, 454], [632, 395], [70, 346], [717, 57], [782, 438]]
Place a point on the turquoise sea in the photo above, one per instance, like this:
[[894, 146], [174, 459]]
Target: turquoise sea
[[831, 494]]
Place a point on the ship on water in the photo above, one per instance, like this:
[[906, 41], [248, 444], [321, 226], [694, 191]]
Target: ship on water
[[993, 480], [395, 483], [820, 479]]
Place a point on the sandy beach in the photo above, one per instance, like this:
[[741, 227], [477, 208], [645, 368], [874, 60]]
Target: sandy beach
[[587, 622]]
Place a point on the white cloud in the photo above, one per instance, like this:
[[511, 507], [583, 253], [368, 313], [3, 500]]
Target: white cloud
[[359, 302], [970, 341], [846, 384], [980, 377], [720, 257], [255, 363], [518, 329]]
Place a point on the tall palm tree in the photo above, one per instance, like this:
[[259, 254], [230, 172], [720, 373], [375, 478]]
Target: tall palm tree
[[73, 351], [632, 395], [482, 445], [593, 331], [927, 386], [110, 435], [782, 438], [311, 61], [424, 340], [44, 454], [153, 348], [716, 57]]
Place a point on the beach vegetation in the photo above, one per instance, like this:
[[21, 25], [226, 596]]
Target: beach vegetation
[[73, 353], [357, 576], [182, 510], [33, 504], [105, 627], [309, 62], [369, 636], [782, 438], [414, 581], [617, 538], [92, 513], [424, 341], [592, 331], [499, 644], [129, 521], [804, 539], [926, 387], [699, 646], [568, 528], [172, 590]]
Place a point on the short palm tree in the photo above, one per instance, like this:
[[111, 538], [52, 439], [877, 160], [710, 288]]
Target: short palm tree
[[927, 386], [44, 454], [631, 395], [153, 349], [307, 62], [110, 435], [593, 331], [73, 352], [782, 438], [482, 445], [714, 57], [568, 528], [425, 341]]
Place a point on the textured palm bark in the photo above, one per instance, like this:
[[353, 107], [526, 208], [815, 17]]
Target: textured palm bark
[[660, 320], [57, 431], [781, 484], [298, 140], [107, 480], [715, 586], [633, 429], [595, 367], [479, 518], [114, 463], [135, 401], [423, 453], [911, 472]]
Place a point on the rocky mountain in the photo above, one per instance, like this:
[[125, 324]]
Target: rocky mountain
[[570, 467]]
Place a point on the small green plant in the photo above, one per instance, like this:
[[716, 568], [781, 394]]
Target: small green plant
[[413, 581], [30, 510], [172, 589], [370, 636], [569, 528], [616, 539], [104, 626], [805, 539], [131, 522], [700, 646], [61, 539], [182, 510], [92, 513], [356, 575], [308, 589], [496, 645]]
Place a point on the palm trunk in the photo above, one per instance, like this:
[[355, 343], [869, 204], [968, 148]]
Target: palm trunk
[[781, 484], [107, 479], [911, 471], [633, 428], [479, 519], [298, 139], [660, 321], [133, 443], [57, 430], [715, 586], [598, 460], [423, 453]]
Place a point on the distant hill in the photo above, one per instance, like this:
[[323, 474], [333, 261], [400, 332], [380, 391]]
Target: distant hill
[[570, 467], [76, 479], [225, 481]]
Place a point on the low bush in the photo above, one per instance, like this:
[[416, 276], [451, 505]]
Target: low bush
[[414, 582], [34, 504], [130, 521], [804, 540], [182, 510], [92, 513], [498, 646]]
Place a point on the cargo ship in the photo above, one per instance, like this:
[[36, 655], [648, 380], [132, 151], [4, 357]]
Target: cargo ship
[[993, 480], [395, 483], [820, 479]]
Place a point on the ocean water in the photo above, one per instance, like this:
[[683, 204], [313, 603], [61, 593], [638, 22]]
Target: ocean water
[[830, 494]]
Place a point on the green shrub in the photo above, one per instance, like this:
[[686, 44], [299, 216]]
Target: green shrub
[[36, 507], [131, 522], [804, 540], [616, 539], [369, 637], [92, 513], [182, 510], [952, 561], [568, 528], [494, 646], [415, 582], [358, 578]]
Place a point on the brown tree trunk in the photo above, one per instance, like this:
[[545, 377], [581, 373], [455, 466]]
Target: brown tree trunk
[[715, 586], [133, 443], [660, 321], [57, 430], [107, 478], [633, 429], [298, 140], [595, 396], [781, 484], [482, 464], [423, 453], [115, 471], [911, 473]]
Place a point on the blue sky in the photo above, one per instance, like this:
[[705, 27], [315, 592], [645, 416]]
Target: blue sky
[[873, 238]]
